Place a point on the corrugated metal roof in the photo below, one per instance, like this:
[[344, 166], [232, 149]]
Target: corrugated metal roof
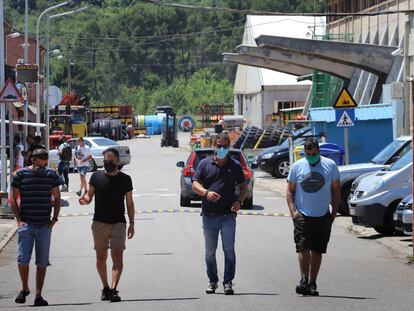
[[371, 112]]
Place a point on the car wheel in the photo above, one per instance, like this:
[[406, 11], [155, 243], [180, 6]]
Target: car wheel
[[388, 227], [282, 167], [92, 166], [344, 207], [184, 201], [248, 203]]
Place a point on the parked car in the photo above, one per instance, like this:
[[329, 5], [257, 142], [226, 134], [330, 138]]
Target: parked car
[[378, 194], [275, 160], [383, 159], [189, 167], [404, 212], [98, 145]]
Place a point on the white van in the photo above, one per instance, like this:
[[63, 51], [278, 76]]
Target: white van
[[377, 195]]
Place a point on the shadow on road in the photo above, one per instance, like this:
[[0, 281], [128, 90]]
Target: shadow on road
[[345, 297], [160, 299], [251, 294], [257, 208], [372, 237]]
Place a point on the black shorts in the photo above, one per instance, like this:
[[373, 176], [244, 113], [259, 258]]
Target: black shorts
[[312, 233]]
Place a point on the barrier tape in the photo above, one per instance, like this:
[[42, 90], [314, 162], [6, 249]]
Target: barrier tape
[[189, 211]]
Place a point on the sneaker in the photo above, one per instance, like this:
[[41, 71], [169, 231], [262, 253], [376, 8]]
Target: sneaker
[[303, 287], [313, 289], [106, 294], [79, 193], [40, 302], [211, 288], [21, 297], [115, 295], [228, 289]]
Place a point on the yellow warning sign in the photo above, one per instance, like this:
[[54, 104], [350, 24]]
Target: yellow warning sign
[[345, 100]]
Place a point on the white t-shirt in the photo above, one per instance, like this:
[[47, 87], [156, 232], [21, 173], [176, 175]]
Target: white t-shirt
[[19, 156], [82, 155]]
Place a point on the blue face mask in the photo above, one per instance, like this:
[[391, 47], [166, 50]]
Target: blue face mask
[[222, 153]]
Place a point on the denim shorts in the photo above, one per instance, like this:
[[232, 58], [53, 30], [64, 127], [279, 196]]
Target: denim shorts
[[37, 236], [82, 170]]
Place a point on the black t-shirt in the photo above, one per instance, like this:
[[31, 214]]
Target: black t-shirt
[[110, 194], [222, 180]]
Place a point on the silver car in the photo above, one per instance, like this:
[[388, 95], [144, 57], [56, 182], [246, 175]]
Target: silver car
[[98, 145]]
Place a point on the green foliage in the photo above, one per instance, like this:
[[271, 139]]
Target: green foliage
[[132, 51]]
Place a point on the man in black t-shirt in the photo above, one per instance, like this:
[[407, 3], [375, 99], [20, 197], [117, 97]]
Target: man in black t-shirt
[[215, 181], [110, 188]]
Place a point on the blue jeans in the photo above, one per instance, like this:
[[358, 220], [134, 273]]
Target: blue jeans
[[63, 170], [226, 225], [39, 236]]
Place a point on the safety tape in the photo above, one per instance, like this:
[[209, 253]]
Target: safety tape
[[190, 211]]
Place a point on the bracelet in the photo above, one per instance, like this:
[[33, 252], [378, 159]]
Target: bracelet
[[240, 201], [206, 193]]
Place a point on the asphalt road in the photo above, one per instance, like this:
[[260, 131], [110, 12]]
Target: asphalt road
[[164, 266]]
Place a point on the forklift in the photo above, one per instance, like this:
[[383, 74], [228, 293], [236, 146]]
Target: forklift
[[169, 126]]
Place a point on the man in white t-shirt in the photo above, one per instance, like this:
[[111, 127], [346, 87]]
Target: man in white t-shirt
[[83, 155], [18, 156]]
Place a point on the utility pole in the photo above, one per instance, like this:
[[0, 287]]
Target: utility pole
[[3, 177], [26, 61], [69, 65]]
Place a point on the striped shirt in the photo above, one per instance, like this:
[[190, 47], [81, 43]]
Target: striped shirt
[[35, 194]]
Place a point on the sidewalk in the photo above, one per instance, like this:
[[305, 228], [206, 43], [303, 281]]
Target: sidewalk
[[7, 230]]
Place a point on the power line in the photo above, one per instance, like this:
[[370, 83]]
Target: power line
[[256, 12]]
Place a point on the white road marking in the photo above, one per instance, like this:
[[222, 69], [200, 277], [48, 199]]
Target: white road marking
[[167, 194], [161, 189]]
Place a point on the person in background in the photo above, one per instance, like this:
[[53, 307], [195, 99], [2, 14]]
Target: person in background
[[18, 153], [83, 155], [65, 156]]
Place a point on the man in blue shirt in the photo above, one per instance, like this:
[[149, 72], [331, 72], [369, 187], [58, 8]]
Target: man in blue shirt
[[215, 180], [313, 184]]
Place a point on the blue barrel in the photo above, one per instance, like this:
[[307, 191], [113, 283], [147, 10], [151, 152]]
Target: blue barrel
[[150, 131], [155, 121]]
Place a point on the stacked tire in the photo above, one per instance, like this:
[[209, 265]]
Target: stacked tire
[[248, 138]]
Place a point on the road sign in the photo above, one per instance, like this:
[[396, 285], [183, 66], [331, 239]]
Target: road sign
[[55, 96], [345, 117], [27, 73], [345, 100], [10, 93]]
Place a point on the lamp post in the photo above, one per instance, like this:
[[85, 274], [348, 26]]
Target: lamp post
[[38, 59], [3, 177], [46, 108]]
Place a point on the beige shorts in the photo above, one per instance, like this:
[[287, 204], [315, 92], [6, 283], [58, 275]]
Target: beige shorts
[[107, 236]]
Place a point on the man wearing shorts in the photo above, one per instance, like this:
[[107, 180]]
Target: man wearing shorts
[[110, 188], [313, 184], [83, 155], [35, 185]]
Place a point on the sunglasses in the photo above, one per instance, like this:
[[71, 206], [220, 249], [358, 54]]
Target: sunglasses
[[222, 146], [42, 157]]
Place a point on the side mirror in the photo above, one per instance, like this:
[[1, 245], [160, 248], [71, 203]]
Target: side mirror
[[254, 165], [180, 164]]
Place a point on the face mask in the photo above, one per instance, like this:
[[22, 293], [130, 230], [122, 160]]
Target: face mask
[[110, 166], [314, 159], [39, 169], [222, 153]]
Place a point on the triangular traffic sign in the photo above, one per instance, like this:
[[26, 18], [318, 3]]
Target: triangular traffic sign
[[345, 120], [345, 100], [10, 93]]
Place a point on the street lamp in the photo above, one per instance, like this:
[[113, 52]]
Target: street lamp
[[46, 107], [38, 58]]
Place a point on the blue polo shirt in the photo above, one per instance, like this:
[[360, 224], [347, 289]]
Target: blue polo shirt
[[219, 179]]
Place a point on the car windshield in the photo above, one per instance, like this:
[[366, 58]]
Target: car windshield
[[208, 153], [104, 142], [405, 160], [385, 154]]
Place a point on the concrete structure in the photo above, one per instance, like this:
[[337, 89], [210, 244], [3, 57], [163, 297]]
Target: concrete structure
[[259, 92]]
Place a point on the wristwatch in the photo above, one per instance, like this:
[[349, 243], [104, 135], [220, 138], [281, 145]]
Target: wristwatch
[[55, 219], [206, 193], [240, 201]]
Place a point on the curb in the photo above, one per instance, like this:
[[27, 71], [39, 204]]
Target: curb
[[6, 239]]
